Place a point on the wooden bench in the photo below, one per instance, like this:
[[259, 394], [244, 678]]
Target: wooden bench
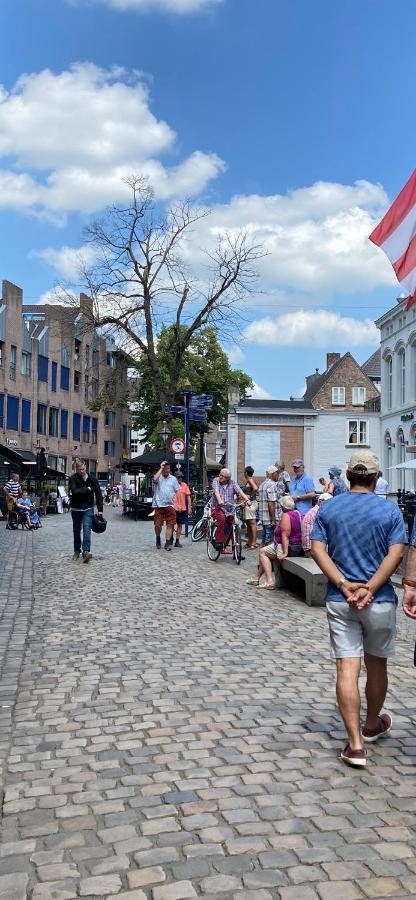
[[305, 569]]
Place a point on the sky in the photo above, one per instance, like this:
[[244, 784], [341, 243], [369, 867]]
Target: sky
[[284, 117]]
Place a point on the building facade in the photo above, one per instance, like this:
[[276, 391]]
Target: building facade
[[53, 367], [398, 393]]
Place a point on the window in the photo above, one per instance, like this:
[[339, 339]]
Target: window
[[64, 355], [110, 419], [222, 426], [54, 376], [77, 349], [53, 421], [95, 357], [64, 423], [1, 410], [357, 431], [26, 415], [61, 464], [402, 376], [41, 420], [43, 364], [13, 354], [64, 378], [401, 457], [94, 424], [86, 387], [111, 359], [338, 396], [92, 466], [134, 446], [109, 448], [94, 389], [389, 379], [12, 413], [125, 437], [76, 427], [86, 357], [1, 353], [388, 452], [26, 363], [86, 425], [358, 396], [77, 381]]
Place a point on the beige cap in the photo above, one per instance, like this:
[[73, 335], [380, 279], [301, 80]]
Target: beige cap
[[271, 470], [364, 462]]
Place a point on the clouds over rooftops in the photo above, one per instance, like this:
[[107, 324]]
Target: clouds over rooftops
[[312, 329]]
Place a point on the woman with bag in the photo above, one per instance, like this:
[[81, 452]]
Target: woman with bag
[[287, 541]]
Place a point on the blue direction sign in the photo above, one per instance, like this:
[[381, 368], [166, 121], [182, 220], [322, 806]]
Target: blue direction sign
[[175, 409]]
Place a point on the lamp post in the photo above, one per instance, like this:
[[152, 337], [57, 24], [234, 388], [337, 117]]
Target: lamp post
[[164, 434]]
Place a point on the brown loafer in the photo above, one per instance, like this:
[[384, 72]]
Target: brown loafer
[[357, 758], [385, 723]]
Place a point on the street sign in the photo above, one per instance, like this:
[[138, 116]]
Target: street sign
[[175, 409], [198, 417], [179, 456], [177, 445]]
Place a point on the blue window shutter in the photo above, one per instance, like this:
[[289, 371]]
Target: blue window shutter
[[76, 427], [54, 374], [1, 409], [26, 415], [43, 364], [64, 378], [12, 412], [64, 423], [94, 425]]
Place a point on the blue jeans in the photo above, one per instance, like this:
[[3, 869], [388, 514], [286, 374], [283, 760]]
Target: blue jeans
[[82, 520], [268, 532]]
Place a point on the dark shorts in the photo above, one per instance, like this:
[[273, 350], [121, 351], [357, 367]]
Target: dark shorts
[[164, 514], [181, 517]]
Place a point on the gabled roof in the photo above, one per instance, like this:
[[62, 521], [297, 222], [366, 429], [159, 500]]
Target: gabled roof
[[320, 380], [372, 366]]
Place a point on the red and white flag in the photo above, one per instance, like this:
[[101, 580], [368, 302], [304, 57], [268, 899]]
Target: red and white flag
[[396, 236]]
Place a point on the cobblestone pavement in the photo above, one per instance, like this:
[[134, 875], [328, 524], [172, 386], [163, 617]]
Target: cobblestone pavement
[[175, 736]]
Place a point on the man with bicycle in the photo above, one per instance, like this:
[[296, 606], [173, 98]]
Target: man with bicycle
[[224, 491]]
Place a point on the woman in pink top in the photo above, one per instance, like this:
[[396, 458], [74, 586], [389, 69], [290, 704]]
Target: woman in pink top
[[287, 541]]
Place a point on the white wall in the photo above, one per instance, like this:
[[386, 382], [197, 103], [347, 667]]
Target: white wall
[[330, 446]]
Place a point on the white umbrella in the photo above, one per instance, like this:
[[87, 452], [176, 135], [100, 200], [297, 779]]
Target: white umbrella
[[411, 464]]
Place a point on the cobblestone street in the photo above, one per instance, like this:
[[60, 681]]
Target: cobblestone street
[[169, 732]]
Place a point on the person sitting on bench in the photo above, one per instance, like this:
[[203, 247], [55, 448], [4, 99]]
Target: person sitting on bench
[[287, 541]]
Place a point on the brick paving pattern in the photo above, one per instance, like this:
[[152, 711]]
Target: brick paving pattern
[[175, 735]]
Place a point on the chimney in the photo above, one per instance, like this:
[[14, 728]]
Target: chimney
[[332, 358]]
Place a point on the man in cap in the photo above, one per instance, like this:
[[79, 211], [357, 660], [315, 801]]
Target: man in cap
[[302, 488], [268, 497], [358, 542]]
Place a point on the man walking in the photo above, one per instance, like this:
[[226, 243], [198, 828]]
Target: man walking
[[12, 490], [165, 487], [365, 537], [302, 488], [268, 497], [183, 508], [84, 489]]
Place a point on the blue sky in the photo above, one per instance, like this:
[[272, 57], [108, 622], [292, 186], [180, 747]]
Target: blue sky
[[287, 116]]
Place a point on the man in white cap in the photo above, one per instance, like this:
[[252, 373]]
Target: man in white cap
[[268, 496], [358, 542]]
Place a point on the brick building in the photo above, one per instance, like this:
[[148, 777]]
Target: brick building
[[53, 365], [338, 412]]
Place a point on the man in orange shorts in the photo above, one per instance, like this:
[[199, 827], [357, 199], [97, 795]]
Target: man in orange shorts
[[165, 487]]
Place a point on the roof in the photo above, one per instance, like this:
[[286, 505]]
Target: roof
[[319, 380], [275, 404], [372, 366]]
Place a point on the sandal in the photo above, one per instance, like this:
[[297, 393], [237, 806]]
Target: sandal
[[254, 581], [266, 587]]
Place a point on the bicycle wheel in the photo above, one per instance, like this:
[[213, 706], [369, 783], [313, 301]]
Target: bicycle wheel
[[237, 545], [213, 554], [199, 530]]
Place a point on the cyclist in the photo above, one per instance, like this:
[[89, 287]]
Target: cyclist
[[224, 491]]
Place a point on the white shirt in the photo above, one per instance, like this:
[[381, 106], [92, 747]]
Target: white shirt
[[382, 488]]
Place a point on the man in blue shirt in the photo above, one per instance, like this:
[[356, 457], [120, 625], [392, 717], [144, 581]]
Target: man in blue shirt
[[358, 542], [302, 488]]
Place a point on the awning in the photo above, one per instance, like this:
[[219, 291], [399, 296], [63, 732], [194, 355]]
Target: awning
[[25, 463]]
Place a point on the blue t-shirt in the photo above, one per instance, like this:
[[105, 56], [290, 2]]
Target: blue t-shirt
[[302, 485], [359, 528], [412, 541]]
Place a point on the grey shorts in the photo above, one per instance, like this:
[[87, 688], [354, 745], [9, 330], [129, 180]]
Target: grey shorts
[[371, 630]]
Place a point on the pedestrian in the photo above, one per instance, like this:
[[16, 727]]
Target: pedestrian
[[283, 478], [287, 541], [336, 484], [267, 504], [324, 484], [183, 507], [250, 490], [165, 486], [224, 493], [12, 490], [302, 488], [382, 486], [409, 582], [84, 492], [308, 520], [358, 542]]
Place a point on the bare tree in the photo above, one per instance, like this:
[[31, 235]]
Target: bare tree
[[141, 280]]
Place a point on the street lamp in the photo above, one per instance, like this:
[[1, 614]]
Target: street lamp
[[164, 434]]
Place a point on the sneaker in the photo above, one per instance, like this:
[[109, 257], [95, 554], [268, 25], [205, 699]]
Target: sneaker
[[158, 544], [356, 758], [178, 544], [168, 545], [385, 723], [76, 555], [86, 556]]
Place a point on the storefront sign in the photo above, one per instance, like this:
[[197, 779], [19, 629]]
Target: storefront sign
[[407, 417]]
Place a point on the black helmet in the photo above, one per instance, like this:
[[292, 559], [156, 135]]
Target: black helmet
[[99, 524]]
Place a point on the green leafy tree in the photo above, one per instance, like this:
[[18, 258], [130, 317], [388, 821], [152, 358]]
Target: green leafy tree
[[205, 369]]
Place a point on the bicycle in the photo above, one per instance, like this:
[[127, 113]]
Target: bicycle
[[234, 536], [200, 529]]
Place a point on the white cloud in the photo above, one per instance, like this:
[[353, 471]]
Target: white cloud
[[235, 354], [171, 6], [68, 141], [67, 261], [258, 393], [312, 328]]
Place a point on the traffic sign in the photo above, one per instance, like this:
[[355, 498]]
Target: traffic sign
[[178, 410], [177, 445]]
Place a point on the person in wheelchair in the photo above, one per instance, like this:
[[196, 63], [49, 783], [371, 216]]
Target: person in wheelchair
[[26, 510], [12, 490]]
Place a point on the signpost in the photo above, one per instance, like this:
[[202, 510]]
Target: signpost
[[195, 409]]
